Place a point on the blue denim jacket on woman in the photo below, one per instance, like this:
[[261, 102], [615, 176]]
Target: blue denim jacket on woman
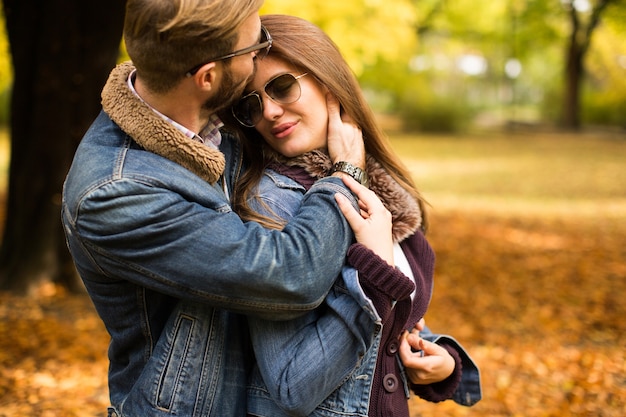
[[170, 267], [303, 368]]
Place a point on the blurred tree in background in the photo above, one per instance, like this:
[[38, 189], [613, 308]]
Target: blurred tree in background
[[441, 65], [62, 52]]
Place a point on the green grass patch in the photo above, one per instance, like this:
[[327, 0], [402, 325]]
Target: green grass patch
[[534, 173], [545, 174]]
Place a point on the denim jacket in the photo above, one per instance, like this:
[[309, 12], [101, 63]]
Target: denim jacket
[[315, 365], [170, 267], [283, 384]]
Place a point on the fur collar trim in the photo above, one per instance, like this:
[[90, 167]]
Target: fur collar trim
[[406, 211], [154, 134]]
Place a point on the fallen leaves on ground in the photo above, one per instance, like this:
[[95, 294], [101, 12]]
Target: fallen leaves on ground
[[538, 303], [52, 356]]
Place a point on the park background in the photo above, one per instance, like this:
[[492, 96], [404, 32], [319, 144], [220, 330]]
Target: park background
[[511, 116]]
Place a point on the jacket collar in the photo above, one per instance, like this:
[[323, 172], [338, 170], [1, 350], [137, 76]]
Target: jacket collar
[[406, 211], [153, 133]]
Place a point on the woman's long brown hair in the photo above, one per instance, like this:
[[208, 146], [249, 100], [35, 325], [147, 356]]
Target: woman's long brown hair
[[309, 49]]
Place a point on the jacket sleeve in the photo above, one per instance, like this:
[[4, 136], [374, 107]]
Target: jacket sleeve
[[194, 247], [302, 361]]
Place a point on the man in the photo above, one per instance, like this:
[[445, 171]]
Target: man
[[149, 225]]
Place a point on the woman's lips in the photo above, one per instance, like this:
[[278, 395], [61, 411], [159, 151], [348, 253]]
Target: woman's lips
[[284, 129]]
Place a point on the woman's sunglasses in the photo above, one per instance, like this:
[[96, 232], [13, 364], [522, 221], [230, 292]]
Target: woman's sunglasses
[[283, 89]]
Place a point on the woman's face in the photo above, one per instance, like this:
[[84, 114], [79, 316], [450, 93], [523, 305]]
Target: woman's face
[[294, 128]]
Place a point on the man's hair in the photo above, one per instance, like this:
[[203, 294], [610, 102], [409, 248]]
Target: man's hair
[[165, 38]]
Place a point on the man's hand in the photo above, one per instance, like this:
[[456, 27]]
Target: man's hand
[[345, 140]]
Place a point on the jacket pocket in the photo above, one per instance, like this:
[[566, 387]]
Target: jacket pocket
[[175, 369]]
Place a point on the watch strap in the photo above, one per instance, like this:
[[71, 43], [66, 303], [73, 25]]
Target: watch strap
[[354, 171]]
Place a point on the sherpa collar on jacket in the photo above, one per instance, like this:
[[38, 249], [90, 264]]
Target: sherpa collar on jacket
[[406, 211], [155, 134]]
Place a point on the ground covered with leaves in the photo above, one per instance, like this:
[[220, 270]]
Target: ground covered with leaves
[[538, 302]]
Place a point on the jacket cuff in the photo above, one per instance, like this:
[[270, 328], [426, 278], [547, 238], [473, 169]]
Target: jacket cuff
[[443, 390]]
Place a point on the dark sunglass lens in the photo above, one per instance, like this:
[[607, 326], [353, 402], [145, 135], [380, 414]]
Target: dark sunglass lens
[[248, 111], [284, 89]]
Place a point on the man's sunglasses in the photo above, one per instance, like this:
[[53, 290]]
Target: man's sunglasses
[[282, 89], [264, 45]]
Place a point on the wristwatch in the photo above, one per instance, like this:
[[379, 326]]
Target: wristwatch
[[355, 172]]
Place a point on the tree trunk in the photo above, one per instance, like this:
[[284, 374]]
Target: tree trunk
[[62, 52], [579, 42], [573, 75]]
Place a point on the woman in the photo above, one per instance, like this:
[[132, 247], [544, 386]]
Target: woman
[[287, 115]]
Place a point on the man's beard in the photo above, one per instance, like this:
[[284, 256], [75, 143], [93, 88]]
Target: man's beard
[[229, 91]]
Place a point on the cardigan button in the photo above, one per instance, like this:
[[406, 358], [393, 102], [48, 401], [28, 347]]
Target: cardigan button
[[390, 382], [392, 348]]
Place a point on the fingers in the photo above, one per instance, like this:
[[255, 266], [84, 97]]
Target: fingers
[[359, 190], [414, 347], [369, 203], [431, 348], [334, 109], [358, 219], [408, 345], [372, 223], [420, 324], [345, 139], [368, 200], [428, 348], [352, 216], [414, 341], [425, 362]]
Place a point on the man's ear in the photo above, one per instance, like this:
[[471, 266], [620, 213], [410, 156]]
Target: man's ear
[[206, 77]]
